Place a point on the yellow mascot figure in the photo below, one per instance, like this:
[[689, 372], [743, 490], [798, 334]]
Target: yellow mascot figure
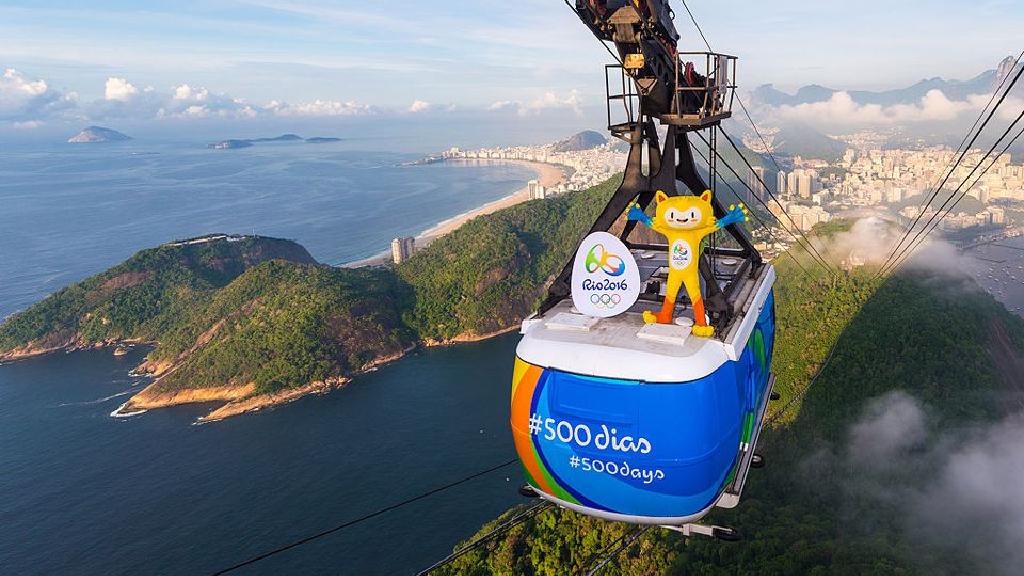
[[685, 221]]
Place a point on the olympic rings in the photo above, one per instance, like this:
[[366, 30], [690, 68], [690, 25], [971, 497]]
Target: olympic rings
[[606, 301]]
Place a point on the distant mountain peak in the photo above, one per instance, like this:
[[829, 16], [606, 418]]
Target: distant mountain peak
[[1005, 68], [586, 140], [94, 134]]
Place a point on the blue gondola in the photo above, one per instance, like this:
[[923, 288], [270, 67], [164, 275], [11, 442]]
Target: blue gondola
[[649, 430], [618, 411]]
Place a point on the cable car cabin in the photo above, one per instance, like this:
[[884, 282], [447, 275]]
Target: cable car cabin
[[644, 423], [619, 412]]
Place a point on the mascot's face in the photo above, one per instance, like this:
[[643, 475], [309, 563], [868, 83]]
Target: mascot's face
[[685, 212]]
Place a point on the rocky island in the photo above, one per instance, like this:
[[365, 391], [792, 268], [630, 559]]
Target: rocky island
[[97, 134], [253, 322], [230, 144], [236, 143]]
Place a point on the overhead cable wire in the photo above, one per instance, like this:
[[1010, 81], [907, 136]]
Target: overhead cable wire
[[987, 169], [753, 214], [710, 49], [914, 244], [740, 180], [497, 531], [811, 247], [363, 518], [735, 192], [697, 26], [782, 225], [952, 170], [614, 56], [945, 209], [800, 395], [981, 115], [764, 142], [624, 544], [739, 99]]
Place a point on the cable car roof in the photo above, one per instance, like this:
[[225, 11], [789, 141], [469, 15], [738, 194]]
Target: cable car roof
[[625, 348]]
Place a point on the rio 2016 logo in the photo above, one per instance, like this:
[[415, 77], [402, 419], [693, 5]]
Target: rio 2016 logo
[[605, 277], [600, 259]]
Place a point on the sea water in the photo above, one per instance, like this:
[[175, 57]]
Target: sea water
[[84, 493], [70, 211], [999, 268]]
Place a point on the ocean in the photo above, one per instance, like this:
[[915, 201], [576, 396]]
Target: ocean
[[999, 269], [84, 493], [70, 211]]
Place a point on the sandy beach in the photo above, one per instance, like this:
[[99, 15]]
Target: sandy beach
[[548, 175]]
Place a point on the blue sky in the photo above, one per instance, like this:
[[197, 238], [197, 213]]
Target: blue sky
[[416, 56]]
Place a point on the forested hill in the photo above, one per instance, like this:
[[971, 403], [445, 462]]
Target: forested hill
[[137, 299], [896, 461], [256, 321]]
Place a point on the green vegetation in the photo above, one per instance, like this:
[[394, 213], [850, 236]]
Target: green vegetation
[[139, 298], [261, 311], [489, 274], [284, 325], [810, 511]]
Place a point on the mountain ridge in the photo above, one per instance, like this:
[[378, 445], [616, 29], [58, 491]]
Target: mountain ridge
[[982, 83]]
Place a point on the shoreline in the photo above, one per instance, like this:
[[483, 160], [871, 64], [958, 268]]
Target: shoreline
[[238, 402], [549, 176]]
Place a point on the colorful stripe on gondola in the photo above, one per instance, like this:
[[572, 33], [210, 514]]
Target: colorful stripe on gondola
[[525, 385]]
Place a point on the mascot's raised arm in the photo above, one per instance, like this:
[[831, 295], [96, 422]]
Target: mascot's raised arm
[[685, 221]]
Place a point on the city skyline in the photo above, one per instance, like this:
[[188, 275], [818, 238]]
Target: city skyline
[[888, 182]]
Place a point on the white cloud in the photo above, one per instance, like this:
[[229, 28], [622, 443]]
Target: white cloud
[[974, 505], [869, 239], [15, 82], [119, 89], [196, 111], [551, 100], [502, 105], [320, 108], [951, 488], [26, 103], [841, 109], [186, 92], [546, 101], [218, 107], [890, 426], [24, 100], [247, 112], [420, 106]]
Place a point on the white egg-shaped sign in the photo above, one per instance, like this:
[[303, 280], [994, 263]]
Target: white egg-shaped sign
[[605, 277]]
